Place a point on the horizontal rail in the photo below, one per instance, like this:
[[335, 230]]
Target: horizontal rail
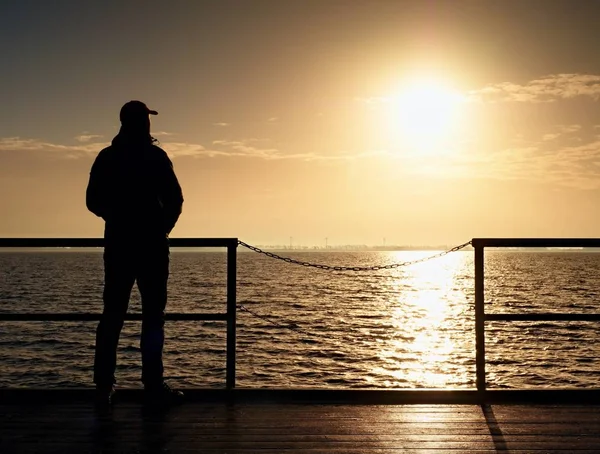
[[86, 317], [99, 242], [536, 242], [230, 316], [542, 317], [479, 245]]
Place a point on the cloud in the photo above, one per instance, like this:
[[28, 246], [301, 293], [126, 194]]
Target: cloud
[[87, 137], [273, 119], [174, 149], [575, 166], [546, 89], [568, 166], [222, 124], [562, 130], [15, 144], [247, 148], [568, 129], [180, 149], [162, 133], [550, 136], [549, 88], [244, 149]]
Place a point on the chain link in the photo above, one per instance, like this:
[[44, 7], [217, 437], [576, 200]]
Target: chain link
[[352, 268]]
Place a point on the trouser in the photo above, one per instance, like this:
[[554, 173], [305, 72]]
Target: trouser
[[123, 266]]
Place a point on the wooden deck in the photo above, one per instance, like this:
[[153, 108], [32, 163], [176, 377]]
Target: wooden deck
[[295, 427]]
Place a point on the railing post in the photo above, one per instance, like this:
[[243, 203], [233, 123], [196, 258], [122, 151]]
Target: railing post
[[231, 314], [479, 318]]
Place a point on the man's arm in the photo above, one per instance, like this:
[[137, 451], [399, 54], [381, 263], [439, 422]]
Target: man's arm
[[171, 195], [94, 195]]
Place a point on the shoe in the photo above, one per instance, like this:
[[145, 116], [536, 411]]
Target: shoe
[[105, 396], [162, 395]]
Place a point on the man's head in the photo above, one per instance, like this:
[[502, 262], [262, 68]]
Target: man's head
[[135, 118]]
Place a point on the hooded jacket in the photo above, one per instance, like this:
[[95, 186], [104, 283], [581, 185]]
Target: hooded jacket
[[133, 187]]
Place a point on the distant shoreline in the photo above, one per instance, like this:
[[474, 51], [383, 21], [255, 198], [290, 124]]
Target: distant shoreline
[[317, 249]]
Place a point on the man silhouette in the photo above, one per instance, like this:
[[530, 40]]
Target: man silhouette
[[134, 189]]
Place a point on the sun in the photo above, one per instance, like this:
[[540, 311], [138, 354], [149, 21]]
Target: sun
[[424, 113]]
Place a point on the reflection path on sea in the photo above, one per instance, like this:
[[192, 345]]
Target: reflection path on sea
[[426, 314]]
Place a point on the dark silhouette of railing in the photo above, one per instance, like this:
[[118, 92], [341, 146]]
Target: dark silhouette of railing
[[229, 316], [479, 244]]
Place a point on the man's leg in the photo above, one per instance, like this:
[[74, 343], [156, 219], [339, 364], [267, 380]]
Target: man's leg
[[119, 277], [152, 283]]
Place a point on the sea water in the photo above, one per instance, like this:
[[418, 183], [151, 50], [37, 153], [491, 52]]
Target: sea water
[[408, 327]]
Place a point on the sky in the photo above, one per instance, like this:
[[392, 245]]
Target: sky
[[409, 122]]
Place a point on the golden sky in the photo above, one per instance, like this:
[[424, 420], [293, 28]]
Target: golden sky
[[422, 122]]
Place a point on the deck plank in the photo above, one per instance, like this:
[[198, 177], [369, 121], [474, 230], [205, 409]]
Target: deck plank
[[245, 428]]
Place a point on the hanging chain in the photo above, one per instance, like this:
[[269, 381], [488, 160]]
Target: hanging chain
[[352, 268], [333, 268]]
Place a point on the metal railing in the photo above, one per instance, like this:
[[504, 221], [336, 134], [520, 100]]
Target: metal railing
[[229, 316], [479, 244]]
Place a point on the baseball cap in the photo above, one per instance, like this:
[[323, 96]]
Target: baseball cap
[[134, 110]]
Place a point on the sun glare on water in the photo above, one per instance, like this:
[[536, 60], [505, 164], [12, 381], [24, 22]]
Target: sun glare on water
[[429, 330]]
